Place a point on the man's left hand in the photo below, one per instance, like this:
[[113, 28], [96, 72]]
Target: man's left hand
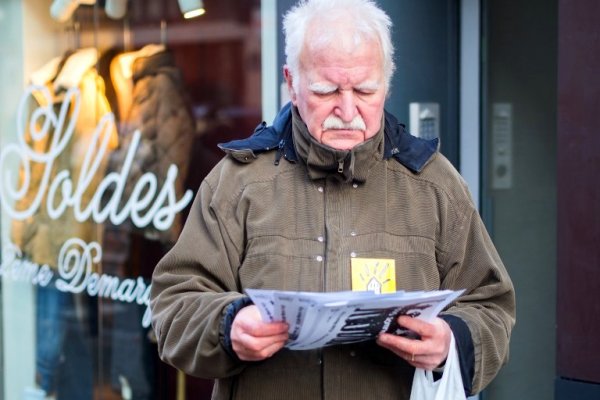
[[429, 351]]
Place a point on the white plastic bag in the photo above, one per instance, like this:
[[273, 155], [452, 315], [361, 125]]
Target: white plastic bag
[[448, 387]]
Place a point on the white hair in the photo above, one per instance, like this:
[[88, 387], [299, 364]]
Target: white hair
[[366, 18]]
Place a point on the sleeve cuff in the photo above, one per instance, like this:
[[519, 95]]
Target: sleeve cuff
[[229, 314], [466, 351]]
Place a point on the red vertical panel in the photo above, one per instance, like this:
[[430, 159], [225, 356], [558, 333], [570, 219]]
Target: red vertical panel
[[578, 176]]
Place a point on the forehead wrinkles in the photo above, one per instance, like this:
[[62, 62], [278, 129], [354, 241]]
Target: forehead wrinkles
[[364, 57], [323, 34], [326, 71], [361, 54], [340, 56]]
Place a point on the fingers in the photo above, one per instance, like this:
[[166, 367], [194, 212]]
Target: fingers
[[257, 350], [427, 352], [248, 319], [401, 346], [254, 340], [420, 327], [412, 352]]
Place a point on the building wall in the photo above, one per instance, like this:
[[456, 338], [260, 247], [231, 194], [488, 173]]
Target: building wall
[[578, 347], [519, 70]]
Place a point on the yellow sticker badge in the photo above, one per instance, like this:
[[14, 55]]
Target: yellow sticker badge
[[374, 274]]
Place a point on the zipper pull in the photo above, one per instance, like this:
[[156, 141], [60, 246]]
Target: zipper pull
[[341, 166], [279, 151]]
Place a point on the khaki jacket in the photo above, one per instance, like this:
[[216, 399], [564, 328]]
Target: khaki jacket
[[260, 225]]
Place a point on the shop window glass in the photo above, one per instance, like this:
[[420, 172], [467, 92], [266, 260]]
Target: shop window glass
[[107, 129]]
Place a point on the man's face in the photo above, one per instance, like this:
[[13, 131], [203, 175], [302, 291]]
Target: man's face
[[341, 92]]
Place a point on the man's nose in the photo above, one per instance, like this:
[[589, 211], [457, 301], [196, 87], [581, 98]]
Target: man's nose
[[346, 107]]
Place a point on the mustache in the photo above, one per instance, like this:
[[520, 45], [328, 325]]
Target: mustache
[[333, 122]]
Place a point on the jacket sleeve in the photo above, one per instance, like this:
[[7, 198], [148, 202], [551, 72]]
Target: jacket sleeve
[[471, 262], [191, 288]]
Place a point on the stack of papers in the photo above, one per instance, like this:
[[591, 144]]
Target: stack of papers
[[324, 319]]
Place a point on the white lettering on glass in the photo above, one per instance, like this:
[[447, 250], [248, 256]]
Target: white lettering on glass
[[75, 269], [146, 205], [18, 269], [51, 130], [42, 119]]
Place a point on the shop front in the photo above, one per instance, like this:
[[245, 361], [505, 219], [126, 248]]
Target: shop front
[[111, 111]]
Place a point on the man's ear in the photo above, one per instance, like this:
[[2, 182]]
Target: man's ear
[[287, 74]]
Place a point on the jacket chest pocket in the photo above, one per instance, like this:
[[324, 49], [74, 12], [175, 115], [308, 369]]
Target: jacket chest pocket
[[274, 262], [415, 262]]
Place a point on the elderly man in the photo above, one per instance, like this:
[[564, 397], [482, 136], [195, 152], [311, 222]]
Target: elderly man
[[335, 178]]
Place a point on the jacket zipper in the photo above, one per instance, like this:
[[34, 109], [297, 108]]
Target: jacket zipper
[[279, 151], [324, 282]]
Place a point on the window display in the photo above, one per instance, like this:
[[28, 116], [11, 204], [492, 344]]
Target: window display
[[101, 153]]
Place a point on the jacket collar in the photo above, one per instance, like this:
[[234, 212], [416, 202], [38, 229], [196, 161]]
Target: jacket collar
[[412, 152], [323, 161]]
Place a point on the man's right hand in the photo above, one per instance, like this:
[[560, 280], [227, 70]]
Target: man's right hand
[[254, 340]]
